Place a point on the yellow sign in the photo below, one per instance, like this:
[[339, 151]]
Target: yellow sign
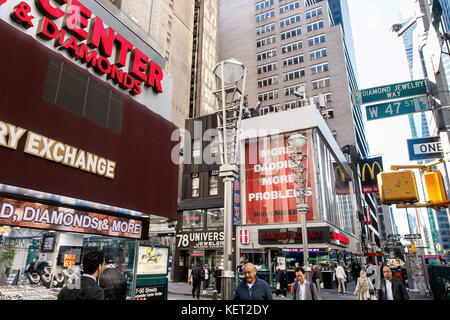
[[371, 170], [69, 260]]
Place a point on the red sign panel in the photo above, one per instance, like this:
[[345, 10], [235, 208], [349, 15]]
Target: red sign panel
[[69, 260], [33, 215], [341, 238], [270, 189]]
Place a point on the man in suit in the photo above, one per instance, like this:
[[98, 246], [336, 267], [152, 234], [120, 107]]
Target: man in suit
[[391, 288], [88, 290], [303, 289]]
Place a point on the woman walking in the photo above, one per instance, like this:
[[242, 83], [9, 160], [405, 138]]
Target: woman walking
[[364, 287]]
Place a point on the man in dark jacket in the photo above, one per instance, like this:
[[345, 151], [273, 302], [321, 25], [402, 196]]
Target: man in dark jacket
[[283, 282], [196, 281], [88, 290], [113, 281], [252, 288], [391, 288]]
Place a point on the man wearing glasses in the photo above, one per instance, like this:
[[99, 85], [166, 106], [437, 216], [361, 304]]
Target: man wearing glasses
[[252, 288]]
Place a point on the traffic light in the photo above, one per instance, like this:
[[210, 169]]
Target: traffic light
[[435, 187], [397, 186], [413, 247]]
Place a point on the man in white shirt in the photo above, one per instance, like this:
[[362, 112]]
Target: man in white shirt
[[341, 276], [303, 289]]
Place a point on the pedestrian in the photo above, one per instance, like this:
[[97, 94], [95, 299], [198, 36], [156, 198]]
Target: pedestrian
[[89, 290], [317, 278], [282, 282], [252, 287], [206, 275], [196, 281], [364, 287], [372, 274], [218, 276], [113, 282], [303, 289], [391, 288], [341, 276]]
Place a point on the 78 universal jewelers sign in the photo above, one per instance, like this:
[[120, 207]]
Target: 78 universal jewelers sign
[[73, 28]]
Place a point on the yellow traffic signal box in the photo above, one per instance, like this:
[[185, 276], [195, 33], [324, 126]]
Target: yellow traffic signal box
[[435, 187], [397, 186]]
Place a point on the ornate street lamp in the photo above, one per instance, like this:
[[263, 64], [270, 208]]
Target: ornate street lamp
[[299, 166], [230, 101]]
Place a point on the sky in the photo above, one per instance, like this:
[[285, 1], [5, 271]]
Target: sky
[[381, 59]]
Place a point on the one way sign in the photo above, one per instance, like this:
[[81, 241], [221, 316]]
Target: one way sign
[[425, 148]]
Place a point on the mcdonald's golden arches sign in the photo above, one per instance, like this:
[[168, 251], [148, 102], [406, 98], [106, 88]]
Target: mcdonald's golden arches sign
[[369, 169]]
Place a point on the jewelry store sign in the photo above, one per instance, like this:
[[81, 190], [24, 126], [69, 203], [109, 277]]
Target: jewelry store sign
[[34, 215], [201, 240]]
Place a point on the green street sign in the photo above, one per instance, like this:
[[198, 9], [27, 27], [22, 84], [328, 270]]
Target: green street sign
[[396, 108], [390, 92]]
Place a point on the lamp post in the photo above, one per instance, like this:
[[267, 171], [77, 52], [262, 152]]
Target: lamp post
[[230, 101], [299, 166]]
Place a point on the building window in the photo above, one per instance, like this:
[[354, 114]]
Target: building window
[[318, 68], [267, 68], [168, 37], [166, 56], [291, 33], [215, 217], [293, 61], [266, 54], [195, 186], [290, 20], [267, 82], [318, 54], [192, 219], [213, 183], [171, 3], [214, 146], [316, 40], [291, 47], [265, 15], [296, 74], [265, 28], [290, 90], [321, 83], [314, 26], [196, 151], [313, 13], [263, 4], [169, 20], [289, 7], [265, 41]]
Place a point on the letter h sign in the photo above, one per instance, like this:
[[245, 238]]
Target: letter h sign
[[244, 236]]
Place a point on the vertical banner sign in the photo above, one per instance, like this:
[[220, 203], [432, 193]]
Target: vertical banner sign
[[341, 182], [369, 169], [236, 202], [270, 191]]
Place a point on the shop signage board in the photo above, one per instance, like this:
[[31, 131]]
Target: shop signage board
[[270, 190], [369, 169], [149, 293], [397, 108], [425, 148], [293, 236], [390, 92], [48, 242], [152, 260], [34, 215], [200, 239]]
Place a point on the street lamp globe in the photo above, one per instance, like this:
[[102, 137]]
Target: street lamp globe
[[232, 72], [297, 141]]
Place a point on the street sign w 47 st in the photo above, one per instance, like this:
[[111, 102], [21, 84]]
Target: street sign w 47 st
[[385, 110]]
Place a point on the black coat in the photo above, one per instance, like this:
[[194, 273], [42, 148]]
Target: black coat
[[114, 283], [282, 278], [398, 290], [89, 291]]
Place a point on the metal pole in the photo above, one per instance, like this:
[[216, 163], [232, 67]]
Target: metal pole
[[227, 279]]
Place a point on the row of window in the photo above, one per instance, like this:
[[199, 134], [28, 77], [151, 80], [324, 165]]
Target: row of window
[[263, 4], [291, 46], [290, 20], [267, 81], [265, 15], [313, 13], [316, 84], [293, 60], [292, 32], [195, 218], [290, 6], [265, 41], [316, 54], [265, 28]]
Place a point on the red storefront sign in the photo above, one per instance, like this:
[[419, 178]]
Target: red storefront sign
[[340, 237], [34, 215], [79, 32], [270, 189]]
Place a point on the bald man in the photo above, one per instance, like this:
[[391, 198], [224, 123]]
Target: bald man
[[252, 288]]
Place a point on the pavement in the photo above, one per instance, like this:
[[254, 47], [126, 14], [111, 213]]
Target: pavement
[[184, 289]]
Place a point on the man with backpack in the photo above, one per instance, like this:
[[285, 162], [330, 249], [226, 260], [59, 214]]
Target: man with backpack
[[303, 289], [196, 281]]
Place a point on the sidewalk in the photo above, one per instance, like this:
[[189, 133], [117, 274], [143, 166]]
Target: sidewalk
[[183, 288]]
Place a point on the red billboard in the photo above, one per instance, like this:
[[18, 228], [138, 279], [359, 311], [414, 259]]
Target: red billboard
[[270, 190]]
